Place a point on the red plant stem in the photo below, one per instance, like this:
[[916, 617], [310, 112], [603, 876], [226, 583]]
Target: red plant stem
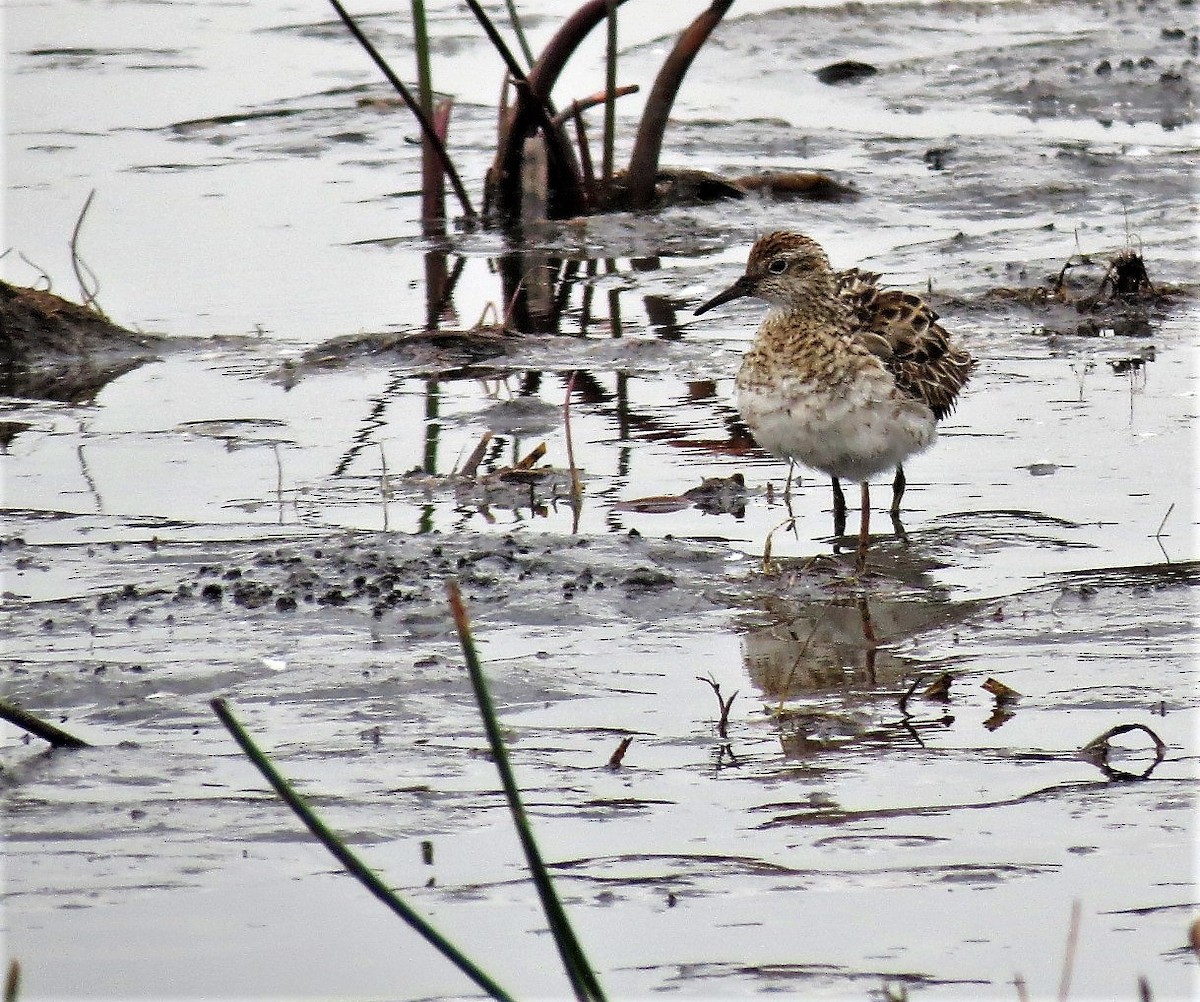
[[643, 163]]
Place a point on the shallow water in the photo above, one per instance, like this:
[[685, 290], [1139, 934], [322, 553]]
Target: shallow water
[[839, 839]]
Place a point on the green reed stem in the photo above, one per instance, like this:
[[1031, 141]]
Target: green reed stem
[[427, 129], [583, 980], [38, 727], [342, 853], [433, 207]]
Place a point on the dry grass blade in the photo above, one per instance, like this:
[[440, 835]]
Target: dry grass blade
[[576, 486], [534, 455], [1064, 982]]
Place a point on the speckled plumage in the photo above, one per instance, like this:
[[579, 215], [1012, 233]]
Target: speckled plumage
[[843, 376]]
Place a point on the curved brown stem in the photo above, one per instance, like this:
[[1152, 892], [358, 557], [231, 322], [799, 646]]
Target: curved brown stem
[[643, 163], [566, 184]]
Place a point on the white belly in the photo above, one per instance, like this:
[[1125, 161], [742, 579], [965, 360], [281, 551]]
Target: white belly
[[850, 432]]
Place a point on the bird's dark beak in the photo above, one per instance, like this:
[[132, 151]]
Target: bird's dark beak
[[744, 286]]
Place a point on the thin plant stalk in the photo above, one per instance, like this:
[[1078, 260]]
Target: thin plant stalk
[[519, 31], [579, 972], [576, 487], [342, 853], [79, 266], [427, 129], [433, 191], [610, 99]]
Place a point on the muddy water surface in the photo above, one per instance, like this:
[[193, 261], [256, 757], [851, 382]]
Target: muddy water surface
[[269, 514]]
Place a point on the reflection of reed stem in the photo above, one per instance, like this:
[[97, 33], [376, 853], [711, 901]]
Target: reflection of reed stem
[[432, 428]]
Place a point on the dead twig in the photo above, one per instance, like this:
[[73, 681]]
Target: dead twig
[[585, 103], [471, 466], [614, 761], [79, 266], [724, 704]]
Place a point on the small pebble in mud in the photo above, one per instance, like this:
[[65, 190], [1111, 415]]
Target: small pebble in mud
[[47, 625], [1103, 68], [847, 71], [232, 574], [211, 593], [647, 578], [333, 597], [285, 603]]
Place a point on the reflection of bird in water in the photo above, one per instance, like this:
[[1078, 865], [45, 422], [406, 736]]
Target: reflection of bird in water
[[814, 649], [843, 376]]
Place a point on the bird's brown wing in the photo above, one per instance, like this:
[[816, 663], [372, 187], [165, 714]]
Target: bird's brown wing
[[901, 329]]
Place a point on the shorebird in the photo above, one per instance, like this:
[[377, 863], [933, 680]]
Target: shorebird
[[843, 376]]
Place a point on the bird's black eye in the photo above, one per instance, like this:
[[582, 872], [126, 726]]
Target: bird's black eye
[[777, 266]]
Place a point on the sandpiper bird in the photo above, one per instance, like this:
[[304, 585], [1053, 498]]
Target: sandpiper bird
[[843, 376]]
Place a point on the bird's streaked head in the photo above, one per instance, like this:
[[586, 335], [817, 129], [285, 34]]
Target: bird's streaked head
[[783, 268]]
